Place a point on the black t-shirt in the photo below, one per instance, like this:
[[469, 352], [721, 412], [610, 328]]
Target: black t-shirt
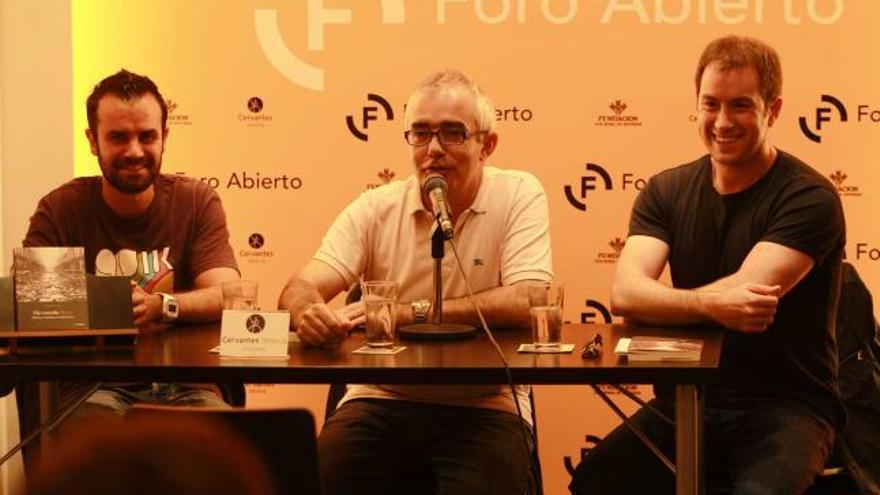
[[709, 236]]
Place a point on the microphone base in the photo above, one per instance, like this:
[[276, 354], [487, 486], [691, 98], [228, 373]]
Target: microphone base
[[431, 331]]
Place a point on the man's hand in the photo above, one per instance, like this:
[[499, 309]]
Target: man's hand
[[320, 325], [147, 308], [356, 312], [747, 307]]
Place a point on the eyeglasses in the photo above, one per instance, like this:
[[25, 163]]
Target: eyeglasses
[[446, 135]]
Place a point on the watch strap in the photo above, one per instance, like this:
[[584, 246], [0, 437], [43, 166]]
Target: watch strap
[[170, 308], [420, 309]]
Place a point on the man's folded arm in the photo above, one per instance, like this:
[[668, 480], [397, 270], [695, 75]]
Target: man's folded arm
[[745, 300], [638, 296], [768, 263]]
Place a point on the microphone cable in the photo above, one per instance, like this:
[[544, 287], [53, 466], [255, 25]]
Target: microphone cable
[[533, 476]]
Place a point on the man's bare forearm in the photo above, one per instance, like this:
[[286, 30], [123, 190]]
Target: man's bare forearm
[[297, 296], [742, 306], [502, 307], [649, 301], [205, 301], [200, 305]]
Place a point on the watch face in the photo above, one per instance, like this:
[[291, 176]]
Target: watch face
[[420, 310], [172, 307]]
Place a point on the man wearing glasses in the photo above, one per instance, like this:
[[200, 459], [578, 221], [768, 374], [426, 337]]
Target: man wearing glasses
[[467, 438]]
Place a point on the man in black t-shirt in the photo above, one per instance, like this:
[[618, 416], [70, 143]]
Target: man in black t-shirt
[[754, 240]]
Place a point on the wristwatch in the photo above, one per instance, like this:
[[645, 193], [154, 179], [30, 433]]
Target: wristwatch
[[170, 307], [420, 310]]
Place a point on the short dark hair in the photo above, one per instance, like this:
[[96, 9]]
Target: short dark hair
[[127, 86], [733, 52]]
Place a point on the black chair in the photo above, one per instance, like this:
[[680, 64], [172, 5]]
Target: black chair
[[284, 437], [854, 465]]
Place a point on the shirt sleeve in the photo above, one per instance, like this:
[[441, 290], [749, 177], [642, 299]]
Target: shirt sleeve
[[649, 217], [344, 246], [43, 228], [211, 248], [810, 220], [526, 253]]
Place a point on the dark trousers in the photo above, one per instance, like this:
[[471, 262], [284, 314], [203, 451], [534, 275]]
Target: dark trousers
[[776, 448], [377, 446]]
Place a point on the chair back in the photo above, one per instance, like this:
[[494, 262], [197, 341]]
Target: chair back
[[285, 439]]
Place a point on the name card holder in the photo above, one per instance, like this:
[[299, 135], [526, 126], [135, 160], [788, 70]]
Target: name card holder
[[246, 333]]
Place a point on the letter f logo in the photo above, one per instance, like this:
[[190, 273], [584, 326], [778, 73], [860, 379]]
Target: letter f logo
[[286, 62]]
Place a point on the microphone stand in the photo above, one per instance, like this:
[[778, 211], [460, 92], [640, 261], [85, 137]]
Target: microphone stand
[[436, 329]]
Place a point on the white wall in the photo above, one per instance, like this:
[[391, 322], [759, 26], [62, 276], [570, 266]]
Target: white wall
[[35, 102], [36, 149], [8, 426]]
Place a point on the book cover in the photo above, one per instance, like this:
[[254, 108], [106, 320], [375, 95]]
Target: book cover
[[50, 288], [7, 305], [654, 348]]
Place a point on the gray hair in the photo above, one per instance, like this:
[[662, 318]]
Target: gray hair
[[484, 110]]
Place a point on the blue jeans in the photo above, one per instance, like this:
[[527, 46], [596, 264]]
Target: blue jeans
[[382, 446], [120, 399], [775, 448]]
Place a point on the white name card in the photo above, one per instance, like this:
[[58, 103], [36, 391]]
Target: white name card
[[245, 333]]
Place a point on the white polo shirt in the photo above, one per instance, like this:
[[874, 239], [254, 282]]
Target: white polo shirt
[[503, 238]]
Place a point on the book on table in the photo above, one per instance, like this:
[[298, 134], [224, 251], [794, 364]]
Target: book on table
[[656, 348], [50, 288]]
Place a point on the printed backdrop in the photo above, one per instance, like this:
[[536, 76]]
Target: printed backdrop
[[290, 108]]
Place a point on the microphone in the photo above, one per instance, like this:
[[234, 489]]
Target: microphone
[[435, 188]]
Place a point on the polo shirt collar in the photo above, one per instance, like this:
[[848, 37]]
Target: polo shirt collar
[[481, 202], [414, 195]]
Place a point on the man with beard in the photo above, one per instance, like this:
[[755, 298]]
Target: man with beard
[[468, 437], [168, 233]]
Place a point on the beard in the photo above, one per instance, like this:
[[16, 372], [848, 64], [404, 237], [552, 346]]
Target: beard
[[131, 175]]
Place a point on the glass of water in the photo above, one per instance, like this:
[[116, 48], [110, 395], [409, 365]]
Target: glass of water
[[545, 312], [239, 294], [380, 302]]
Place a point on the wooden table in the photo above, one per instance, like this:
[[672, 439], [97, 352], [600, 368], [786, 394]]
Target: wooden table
[[181, 355]]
